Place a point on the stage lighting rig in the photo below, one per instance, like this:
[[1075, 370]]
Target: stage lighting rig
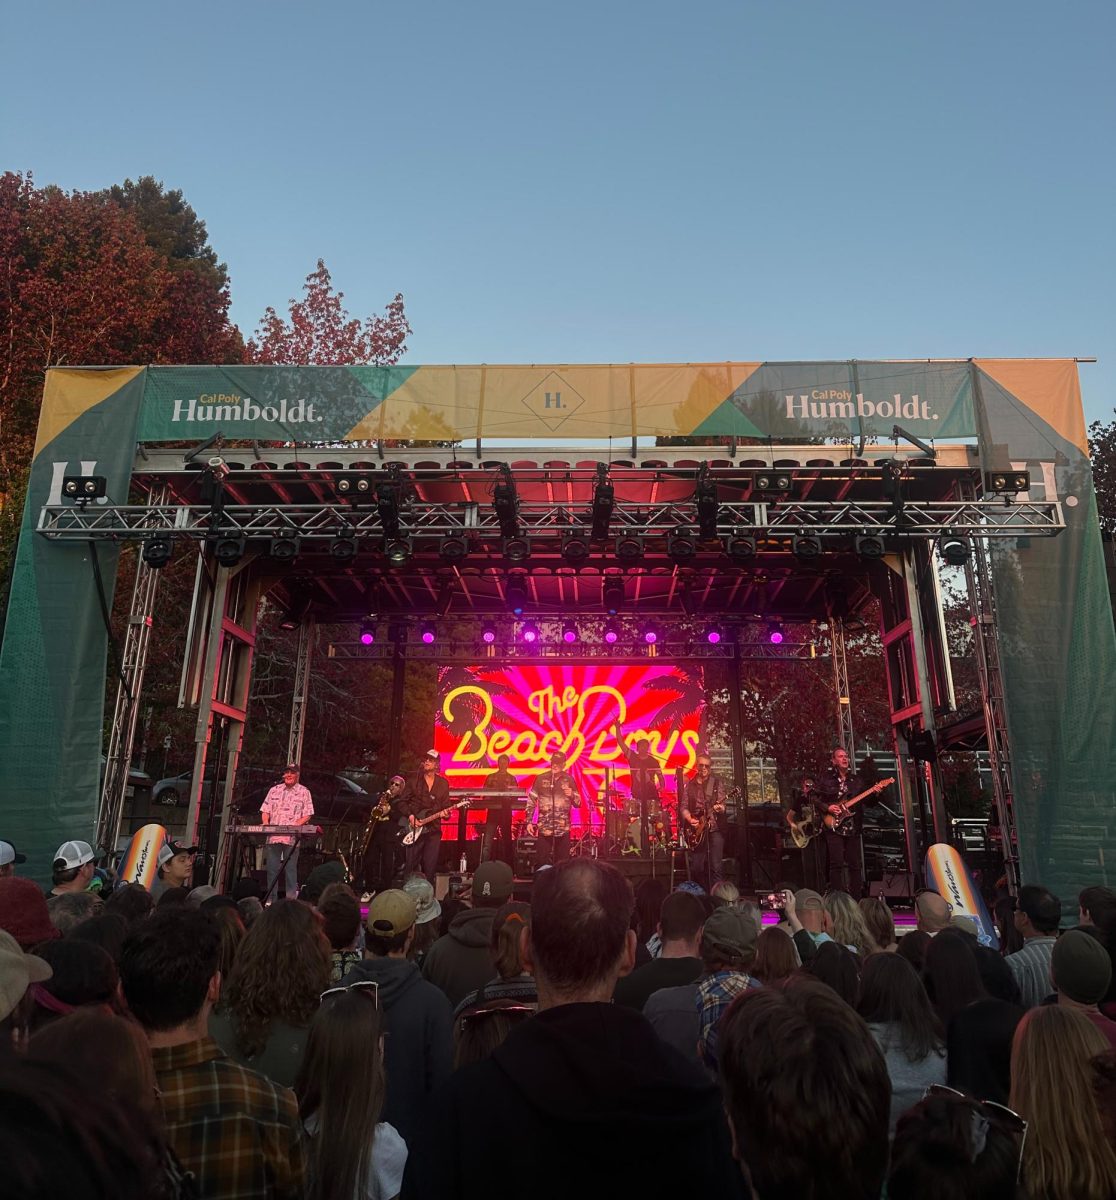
[[682, 546], [505, 502], [714, 635], [629, 549], [613, 595], [741, 548], [367, 631], [650, 634], [530, 633], [298, 607], [228, 549], [775, 633], [611, 633], [869, 546], [955, 550], [353, 487], [705, 501], [427, 633], [806, 546], [516, 594], [343, 549], [569, 633], [83, 488], [575, 549], [517, 549], [157, 552], [283, 548], [772, 482], [604, 501], [397, 551], [1007, 483], [453, 549], [389, 502], [488, 633]]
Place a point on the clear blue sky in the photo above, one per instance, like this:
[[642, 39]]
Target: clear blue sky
[[606, 182]]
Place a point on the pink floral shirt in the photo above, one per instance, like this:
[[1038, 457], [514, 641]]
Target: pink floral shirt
[[287, 806]]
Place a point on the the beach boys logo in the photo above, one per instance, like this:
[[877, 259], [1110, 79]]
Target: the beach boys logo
[[835, 404], [221, 408]]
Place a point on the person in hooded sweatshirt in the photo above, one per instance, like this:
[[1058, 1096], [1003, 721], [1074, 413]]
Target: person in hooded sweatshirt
[[460, 961], [581, 1083], [418, 1019]]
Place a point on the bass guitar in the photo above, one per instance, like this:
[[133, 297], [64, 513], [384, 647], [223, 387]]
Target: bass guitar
[[842, 824], [415, 831], [694, 835]]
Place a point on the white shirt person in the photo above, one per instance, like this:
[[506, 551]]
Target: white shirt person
[[287, 803]]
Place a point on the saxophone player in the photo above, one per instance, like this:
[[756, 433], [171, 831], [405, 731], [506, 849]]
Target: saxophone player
[[380, 841]]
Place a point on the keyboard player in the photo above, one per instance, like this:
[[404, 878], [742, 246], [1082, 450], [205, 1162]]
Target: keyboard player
[[287, 803], [500, 811]]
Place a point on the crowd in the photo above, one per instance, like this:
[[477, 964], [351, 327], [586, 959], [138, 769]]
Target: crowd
[[590, 1042]]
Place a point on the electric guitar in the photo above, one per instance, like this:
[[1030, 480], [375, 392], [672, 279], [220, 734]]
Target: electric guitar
[[415, 831], [842, 823], [694, 835]]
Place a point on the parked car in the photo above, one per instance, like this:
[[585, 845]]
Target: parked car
[[175, 789], [136, 778]]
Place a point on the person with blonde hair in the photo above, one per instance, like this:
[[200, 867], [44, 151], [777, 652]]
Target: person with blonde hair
[[848, 924], [1066, 1155], [724, 891], [879, 922]]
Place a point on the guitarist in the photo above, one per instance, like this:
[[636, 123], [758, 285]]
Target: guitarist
[[426, 794], [844, 845], [703, 808]]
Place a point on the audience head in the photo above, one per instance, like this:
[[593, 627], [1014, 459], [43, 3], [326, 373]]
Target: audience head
[[19, 973], [83, 974], [952, 1145], [1066, 1154], [24, 913], [578, 942], [837, 967], [250, 909], [680, 920], [176, 863], [492, 884], [9, 857], [810, 910], [391, 923], [728, 938], [168, 970], [724, 891], [506, 942], [427, 908], [912, 947], [132, 901], [73, 866], [1003, 913], [649, 897], [891, 993], [978, 1049], [950, 976], [108, 930], [932, 912], [319, 879], [173, 897], [848, 923], [281, 969], [1097, 906], [1080, 969], [995, 974], [340, 919], [776, 956], [481, 1029], [227, 918], [1038, 912], [878, 921], [778, 1046], [70, 909]]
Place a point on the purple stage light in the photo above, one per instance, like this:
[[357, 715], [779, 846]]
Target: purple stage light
[[367, 638], [488, 635], [650, 636], [713, 637], [530, 634], [775, 637], [569, 633], [428, 636], [611, 634]]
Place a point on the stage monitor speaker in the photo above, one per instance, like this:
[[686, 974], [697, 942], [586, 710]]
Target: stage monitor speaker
[[898, 884]]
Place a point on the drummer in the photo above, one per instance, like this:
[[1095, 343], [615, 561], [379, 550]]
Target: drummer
[[554, 791]]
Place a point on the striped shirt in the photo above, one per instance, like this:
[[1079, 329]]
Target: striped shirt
[[1031, 968], [237, 1132]]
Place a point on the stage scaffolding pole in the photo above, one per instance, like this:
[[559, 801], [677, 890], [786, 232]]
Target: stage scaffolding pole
[[301, 694], [841, 686], [740, 768]]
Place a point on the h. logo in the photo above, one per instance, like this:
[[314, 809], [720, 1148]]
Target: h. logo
[[553, 400]]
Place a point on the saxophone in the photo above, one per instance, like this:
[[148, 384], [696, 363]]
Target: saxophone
[[381, 812]]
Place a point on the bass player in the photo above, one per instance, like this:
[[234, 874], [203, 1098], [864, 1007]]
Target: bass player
[[702, 812], [426, 794], [844, 844]]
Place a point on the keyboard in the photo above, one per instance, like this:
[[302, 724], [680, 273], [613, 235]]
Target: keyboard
[[275, 830], [483, 799]]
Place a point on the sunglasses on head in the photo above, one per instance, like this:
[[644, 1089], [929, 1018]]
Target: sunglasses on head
[[985, 1114], [517, 1012], [362, 987]]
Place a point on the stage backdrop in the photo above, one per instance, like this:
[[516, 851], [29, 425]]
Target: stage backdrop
[[528, 711], [1054, 621]]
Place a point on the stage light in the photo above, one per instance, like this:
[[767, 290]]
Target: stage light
[[611, 633], [353, 487], [367, 632], [517, 549], [629, 549], [575, 548], [775, 633], [397, 551], [741, 548], [713, 635], [428, 633], [516, 592], [771, 481], [705, 501], [955, 550], [387, 504], [343, 549], [604, 501], [505, 502], [869, 546], [530, 633], [488, 633], [1007, 483], [229, 549], [453, 549], [569, 633], [650, 634], [613, 595], [284, 547], [681, 547], [157, 552], [84, 487], [806, 546]]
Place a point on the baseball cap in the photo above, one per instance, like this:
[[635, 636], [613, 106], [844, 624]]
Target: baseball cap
[[292, 767], [18, 971], [24, 913], [493, 881], [391, 913], [9, 854], [199, 895], [806, 898], [691, 886], [421, 891], [1080, 967], [432, 754], [731, 930], [170, 848], [73, 854]]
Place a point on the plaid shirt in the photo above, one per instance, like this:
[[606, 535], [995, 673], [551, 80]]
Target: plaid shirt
[[715, 993], [238, 1132]]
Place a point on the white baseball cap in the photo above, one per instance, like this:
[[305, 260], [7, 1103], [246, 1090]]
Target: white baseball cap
[[9, 854], [73, 854]]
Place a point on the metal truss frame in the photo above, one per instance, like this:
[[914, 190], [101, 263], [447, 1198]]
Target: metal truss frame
[[675, 650]]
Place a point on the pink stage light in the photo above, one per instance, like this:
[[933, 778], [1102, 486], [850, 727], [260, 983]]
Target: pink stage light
[[775, 637], [713, 637], [650, 636], [488, 635], [569, 634], [611, 635], [530, 634], [367, 638]]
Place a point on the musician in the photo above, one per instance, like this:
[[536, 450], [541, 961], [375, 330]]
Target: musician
[[427, 793], [378, 870], [813, 864], [287, 803], [555, 791], [646, 777], [704, 800], [844, 845], [500, 811]]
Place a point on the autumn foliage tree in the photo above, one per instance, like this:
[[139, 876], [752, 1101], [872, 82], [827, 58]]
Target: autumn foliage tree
[[1102, 451]]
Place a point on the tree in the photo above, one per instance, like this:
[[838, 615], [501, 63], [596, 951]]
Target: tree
[[1102, 451], [321, 332]]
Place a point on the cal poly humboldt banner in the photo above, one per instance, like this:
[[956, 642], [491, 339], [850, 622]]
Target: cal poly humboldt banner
[[1060, 651]]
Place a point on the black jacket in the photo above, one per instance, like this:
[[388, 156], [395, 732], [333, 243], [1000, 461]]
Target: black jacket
[[460, 961], [418, 1048], [422, 801], [580, 1100], [827, 791]]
